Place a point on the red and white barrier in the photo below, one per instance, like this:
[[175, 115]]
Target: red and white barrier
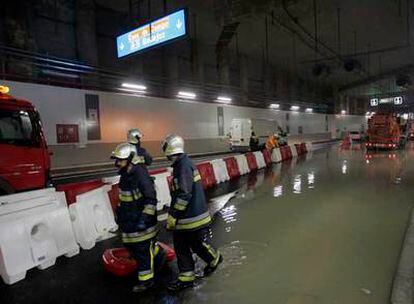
[[259, 159], [294, 151], [267, 157], [251, 161], [163, 189], [220, 170], [276, 155], [286, 152], [35, 229], [113, 181], [242, 164], [309, 147], [232, 167], [207, 175]]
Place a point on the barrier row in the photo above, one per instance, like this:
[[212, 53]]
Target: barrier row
[[215, 172], [38, 226]]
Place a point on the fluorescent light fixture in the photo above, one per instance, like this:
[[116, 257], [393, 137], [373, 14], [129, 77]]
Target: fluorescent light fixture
[[343, 112], [186, 95], [134, 86], [309, 110], [136, 92], [295, 108], [274, 106], [224, 99], [59, 74]]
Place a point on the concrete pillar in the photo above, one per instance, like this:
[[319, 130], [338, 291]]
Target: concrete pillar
[[244, 73], [197, 63], [356, 107], [223, 65], [86, 31], [269, 80]]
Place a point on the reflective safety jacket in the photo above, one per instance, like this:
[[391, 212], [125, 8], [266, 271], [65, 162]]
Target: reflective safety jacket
[[188, 210], [137, 212], [142, 156], [271, 142]]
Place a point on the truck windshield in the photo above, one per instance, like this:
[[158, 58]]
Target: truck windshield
[[17, 127]]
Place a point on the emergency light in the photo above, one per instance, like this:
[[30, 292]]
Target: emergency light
[[4, 89]]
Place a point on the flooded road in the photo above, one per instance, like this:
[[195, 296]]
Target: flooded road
[[326, 230]]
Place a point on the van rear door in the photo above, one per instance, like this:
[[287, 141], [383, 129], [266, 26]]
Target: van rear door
[[22, 165]]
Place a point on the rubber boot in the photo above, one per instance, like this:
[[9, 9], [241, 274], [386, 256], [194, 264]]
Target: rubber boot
[[209, 269]]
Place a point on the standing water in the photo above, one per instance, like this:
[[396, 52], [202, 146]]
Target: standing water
[[326, 230]]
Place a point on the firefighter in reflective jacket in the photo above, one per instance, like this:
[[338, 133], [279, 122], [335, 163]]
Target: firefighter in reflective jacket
[[137, 213], [141, 155], [188, 216]]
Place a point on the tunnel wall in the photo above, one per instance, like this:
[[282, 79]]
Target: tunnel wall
[[197, 122]]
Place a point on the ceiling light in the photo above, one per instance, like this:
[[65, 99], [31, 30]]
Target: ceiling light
[[309, 110], [134, 86], [224, 99], [187, 95], [343, 112], [274, 106], [295, 108], [132, 91]]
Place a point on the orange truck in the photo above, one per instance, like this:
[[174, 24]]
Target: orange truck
[[385, 132]]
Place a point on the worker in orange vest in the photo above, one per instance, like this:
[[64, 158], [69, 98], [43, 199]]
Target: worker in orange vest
[[272, 142]]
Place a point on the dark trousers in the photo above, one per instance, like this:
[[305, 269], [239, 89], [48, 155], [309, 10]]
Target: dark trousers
[[144, 253], [189, 242]]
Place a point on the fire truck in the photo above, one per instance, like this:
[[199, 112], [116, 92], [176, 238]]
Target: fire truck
[[24, 156], [386, 131]]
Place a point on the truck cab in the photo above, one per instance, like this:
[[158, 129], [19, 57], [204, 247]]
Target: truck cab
[[24, 156], [384, 132]]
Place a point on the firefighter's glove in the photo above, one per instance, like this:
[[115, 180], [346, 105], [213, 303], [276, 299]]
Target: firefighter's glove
[[171, 222]]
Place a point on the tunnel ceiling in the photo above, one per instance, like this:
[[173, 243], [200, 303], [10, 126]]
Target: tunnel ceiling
[[360, 47], [322, 47]]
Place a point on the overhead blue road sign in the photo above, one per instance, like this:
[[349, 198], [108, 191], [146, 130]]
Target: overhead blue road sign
[[152, 34]]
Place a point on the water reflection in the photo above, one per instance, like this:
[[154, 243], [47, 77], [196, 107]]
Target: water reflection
[[297, 184], [311, 180], [344, 167], [229, 215], [278, 191]]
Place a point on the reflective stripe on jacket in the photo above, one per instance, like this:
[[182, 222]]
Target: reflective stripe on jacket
[[188, 206], [136, 213]]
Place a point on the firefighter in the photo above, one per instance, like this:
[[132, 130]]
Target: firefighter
[[141, 156], [188, 217], [137, 213]]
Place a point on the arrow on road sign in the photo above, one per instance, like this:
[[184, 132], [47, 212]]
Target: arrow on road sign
[[179, 24]]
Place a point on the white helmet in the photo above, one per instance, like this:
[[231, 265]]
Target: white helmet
[[134, 135], [173, 144], [123, 151]]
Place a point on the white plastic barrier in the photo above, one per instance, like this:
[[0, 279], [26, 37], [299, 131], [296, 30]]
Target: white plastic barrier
[[163, 189], [276, 155], [242, 164], [259, 159], [112, 180], [309, 147], [92, 217], [35, 229], [220, 170], [294, 151]]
